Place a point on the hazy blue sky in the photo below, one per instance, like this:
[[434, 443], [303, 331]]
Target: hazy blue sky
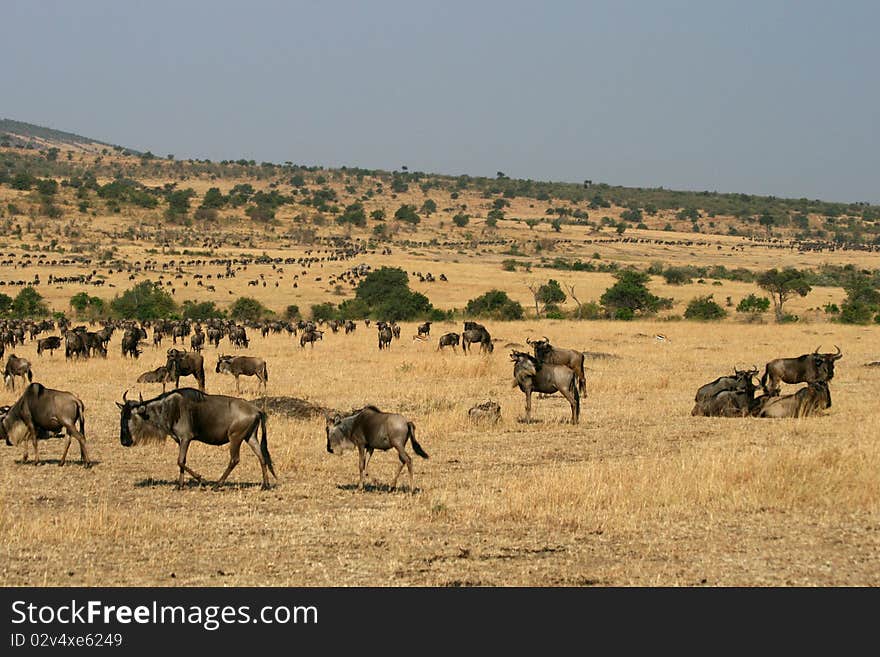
[[761, 97]]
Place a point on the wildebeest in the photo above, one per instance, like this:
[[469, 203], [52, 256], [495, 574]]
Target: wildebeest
[[41, 411], [159, 375], [350, 327], [385, 336], [183, 363], [723, 383], [803, 369], [311, 336], [238, 336], [424, 329], [571, 358], [809, 400], [75, 345], [449, 340], [243, 366], [476, 335], [49, 344], [531, 375], [197, 341], [488, 411], [369, 429], [16, 366], [187, 414], [130, 342]]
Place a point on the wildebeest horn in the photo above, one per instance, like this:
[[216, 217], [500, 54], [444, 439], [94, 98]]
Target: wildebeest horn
[[817, 349], [125, 396], [546, 339], [528, 341], [141, 396], [839, 353]]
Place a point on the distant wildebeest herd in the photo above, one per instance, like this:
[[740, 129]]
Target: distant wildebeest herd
[[191, 414]]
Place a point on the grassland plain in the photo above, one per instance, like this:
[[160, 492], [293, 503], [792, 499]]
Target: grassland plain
[[639, 493]]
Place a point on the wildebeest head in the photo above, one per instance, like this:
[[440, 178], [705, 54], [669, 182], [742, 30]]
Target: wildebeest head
[[135, 425], [224, 364], [338, 433], [826, 360], [541, 347]]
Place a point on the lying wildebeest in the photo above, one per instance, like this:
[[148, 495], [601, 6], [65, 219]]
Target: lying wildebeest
[[49, 344], [243, 366], [187, 414], [571, 358], [369, 429], [385, 336], [531, 375], [159, 375], [182, 363], [723, 383], [735, 399], [449, 340], [310, 336], [424, 329], [41, 411], [488, 411], [809, 400], [803, 369], [16, 366], [477, 335]]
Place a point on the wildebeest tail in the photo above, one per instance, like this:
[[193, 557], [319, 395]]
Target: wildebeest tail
[[81, 410], [264, 445], [764, 379], [573, 386], [411, 432]]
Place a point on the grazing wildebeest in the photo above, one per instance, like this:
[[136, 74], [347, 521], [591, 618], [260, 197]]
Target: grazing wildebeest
[[197, 341], [95, 344], [238, 336], [214, 335], [311, 336], [809, 400], [75, 345], [531, 375], [186, 415], [183, 363], [40, 412], [803, 369], [369, 429], [478, 335], [159, 375], [424, 329], [130, 343], [723, 383], [385, 336], [571, 358], [16, 366], [243, 366], [49, 344], [449, 340]]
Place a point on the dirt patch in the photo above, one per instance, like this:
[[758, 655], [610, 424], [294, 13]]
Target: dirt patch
[[292, 407]]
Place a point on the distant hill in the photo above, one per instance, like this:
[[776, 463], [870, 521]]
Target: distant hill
[[20, 134]]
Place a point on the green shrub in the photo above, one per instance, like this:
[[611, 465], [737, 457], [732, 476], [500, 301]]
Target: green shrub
[[494, 304], [753, 304], [704, 309]]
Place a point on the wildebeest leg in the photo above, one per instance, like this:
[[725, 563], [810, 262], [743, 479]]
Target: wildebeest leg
[[81, 439], [362, 465], [405, 459], [254, 445], [181, 463], [367, 460], [234, 458], [528, 405]]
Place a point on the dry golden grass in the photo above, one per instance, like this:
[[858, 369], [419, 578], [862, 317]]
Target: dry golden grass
[[640, 493]]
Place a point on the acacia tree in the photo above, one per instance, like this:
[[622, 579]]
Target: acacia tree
[[782, 286]]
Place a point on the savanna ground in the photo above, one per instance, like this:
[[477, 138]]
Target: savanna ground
[[639, 493]]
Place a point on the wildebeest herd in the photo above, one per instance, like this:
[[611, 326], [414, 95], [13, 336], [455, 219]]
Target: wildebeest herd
[[191, 414]]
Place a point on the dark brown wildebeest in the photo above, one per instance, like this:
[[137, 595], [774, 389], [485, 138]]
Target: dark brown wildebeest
[[350, 327], [40, 412], [75, 345], [159, 375], [238, 336], [369, 429], [803, 369], [531, 375], [311, 336], [449, 340], [424, 329], [16, 366], [725, 383], [809, 400], [49, 344], [130, 342], [571, 358], [385, 336], [187, 414], [183, 363], [478, 335], [197, 340], [395, 330], [243, 366]]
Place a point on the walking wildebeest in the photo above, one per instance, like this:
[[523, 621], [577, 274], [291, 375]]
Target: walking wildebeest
[[449, 340], [49, 344], [385, 336], [369, 429], [182, 363], [187, 414], [41, 411], [531, 375], [16, 366], [159, 375], [723, 383], [571, 358], [311, 336], [809, 400], [243, 366], [480, 336], [803, 369], [424, 329]]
